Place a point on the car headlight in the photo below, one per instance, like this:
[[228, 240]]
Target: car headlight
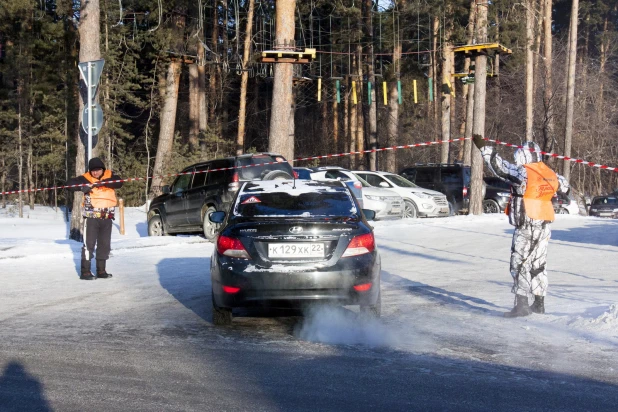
[[372, 197], [423, 195], [504, 194], [383, 198]]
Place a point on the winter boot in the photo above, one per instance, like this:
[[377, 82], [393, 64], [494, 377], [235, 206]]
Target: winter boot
[[521, 308], [87, 276], [101, 273], [538, 306]]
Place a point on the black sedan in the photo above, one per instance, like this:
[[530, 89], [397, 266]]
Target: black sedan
[[290, 243], [604, 206]]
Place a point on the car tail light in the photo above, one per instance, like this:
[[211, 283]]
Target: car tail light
[[362, 287], [295, 174], [231, 289], [465, 191], [358, 185], [360, 245], [231, 247], [235, 182]]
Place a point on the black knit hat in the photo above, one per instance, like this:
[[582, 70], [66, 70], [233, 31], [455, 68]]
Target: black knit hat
[[95, 163]]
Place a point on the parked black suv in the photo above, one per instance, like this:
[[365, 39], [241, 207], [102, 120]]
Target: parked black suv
[[184, 205], [451, 179], [497, 194]]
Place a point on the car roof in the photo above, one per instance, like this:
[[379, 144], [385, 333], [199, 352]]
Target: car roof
[[243, 156], [291, 186], [323, 168], [374, 172]]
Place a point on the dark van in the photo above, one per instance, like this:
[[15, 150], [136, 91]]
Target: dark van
[[209, 187], [451, 179]]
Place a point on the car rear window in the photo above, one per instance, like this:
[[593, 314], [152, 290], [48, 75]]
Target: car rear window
[[307, 204], [258, 172]]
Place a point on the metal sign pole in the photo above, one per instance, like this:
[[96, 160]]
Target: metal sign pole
[[89, 103]]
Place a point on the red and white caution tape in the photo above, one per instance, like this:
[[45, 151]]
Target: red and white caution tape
[[557, 156], [328, 156]]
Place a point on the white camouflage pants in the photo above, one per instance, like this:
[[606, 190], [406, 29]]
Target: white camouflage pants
[[529, 259]]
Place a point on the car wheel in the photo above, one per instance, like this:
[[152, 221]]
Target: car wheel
[[490, 206], [155, 226], [409, 210], [220, 316], [277, 175], [373, 311], [210, 229], [563, 211]]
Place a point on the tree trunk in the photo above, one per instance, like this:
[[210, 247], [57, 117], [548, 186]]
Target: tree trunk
[[201, 94], [548, 91], [360, 122], [168, 126], [194, 107], [20, 164], [214, 71], [347, 124], [478, 123], [280, 139], [89, 50], [372, 136], [244, 80], [353, 131], [335, 144], [434, 64], [570, 102], [445, 98], [467, 158], [30, 167], [529, 71], [393, 127], [466, 126]]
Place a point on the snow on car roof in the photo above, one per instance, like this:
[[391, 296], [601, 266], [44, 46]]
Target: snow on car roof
[[291, 187]]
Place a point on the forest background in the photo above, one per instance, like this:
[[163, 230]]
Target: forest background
[[183, 82]]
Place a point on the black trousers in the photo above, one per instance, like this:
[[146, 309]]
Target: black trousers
[[97, 233]]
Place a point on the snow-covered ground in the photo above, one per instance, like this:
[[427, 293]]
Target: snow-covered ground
[[445, 285]]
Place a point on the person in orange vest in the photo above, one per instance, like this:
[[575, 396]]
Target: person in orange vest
[[531, 212], [99, 187]]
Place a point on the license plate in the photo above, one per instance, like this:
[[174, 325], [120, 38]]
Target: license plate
[[444, 210], [396, 209], [295, 250]]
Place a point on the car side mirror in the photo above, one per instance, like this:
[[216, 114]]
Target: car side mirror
[[369, 214], [216, 217], [384, 184], [165, 190]]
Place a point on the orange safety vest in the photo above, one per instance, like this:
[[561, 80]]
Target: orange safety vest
[[101, 197], [541, 185]]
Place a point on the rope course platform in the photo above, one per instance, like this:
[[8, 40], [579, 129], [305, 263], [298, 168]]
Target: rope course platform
[[483, 48], [288, 56]]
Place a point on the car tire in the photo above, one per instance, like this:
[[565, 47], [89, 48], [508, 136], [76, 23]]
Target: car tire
[[155, 226], [208, 228], [373, 311], [220, 316], [410, 211], [490, 206], [563, 211], [277, 175]]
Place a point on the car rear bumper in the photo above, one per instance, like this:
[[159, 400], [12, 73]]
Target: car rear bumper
[[281, 286]]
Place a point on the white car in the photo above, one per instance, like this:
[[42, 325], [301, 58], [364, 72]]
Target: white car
[[418, 201], [385, 203]]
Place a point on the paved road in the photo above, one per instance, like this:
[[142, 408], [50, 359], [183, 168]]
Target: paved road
[[258, 365], [143, 341]]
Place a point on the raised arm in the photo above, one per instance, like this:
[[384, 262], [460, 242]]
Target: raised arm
[[504, 170]]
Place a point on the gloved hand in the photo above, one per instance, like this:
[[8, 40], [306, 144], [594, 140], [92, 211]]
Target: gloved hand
[[86, 189], [478, 141]]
